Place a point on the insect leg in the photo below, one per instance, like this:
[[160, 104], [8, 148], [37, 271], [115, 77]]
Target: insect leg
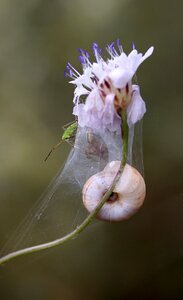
[[67, 125]]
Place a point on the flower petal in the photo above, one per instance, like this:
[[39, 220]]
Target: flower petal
[[120, 77], [147, 54], [136, 58], [136, 108]]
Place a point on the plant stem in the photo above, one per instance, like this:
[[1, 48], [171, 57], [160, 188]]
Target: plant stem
[[90, 217], [125, 129], [67, 237]]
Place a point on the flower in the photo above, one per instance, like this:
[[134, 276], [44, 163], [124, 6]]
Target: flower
[[105, 88]]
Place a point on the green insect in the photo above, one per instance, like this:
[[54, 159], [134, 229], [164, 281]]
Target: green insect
[[68, 136]]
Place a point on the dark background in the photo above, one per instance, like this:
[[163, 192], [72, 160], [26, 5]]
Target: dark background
[[138, 259]]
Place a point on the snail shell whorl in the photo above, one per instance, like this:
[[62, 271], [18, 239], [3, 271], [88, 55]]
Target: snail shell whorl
[[127, 197]]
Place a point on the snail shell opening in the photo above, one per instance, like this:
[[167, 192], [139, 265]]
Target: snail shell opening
[[127, 197]]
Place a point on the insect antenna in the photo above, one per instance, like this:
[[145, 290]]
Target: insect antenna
[[54, 147]]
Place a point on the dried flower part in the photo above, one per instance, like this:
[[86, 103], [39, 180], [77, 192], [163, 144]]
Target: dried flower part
[[107, 88]]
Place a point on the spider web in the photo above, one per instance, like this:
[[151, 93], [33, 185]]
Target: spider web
[[60, 209]]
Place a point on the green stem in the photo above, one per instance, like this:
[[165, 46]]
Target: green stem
[[89, 218], [125, 130], [67, 237]]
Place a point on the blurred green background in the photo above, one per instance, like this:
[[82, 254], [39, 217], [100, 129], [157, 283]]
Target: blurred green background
[[138, 259]]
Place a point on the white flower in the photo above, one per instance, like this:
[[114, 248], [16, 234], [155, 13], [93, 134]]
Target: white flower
[[105, 88]]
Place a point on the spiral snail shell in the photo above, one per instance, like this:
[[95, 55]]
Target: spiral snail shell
[[127, 197]]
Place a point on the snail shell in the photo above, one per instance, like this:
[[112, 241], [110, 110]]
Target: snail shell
[[127, 197]]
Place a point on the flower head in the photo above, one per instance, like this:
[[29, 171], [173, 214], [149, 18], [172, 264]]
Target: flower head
[[107, 88]]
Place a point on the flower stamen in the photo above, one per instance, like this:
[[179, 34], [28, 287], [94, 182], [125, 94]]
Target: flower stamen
[[71, 71], [97, 52]]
